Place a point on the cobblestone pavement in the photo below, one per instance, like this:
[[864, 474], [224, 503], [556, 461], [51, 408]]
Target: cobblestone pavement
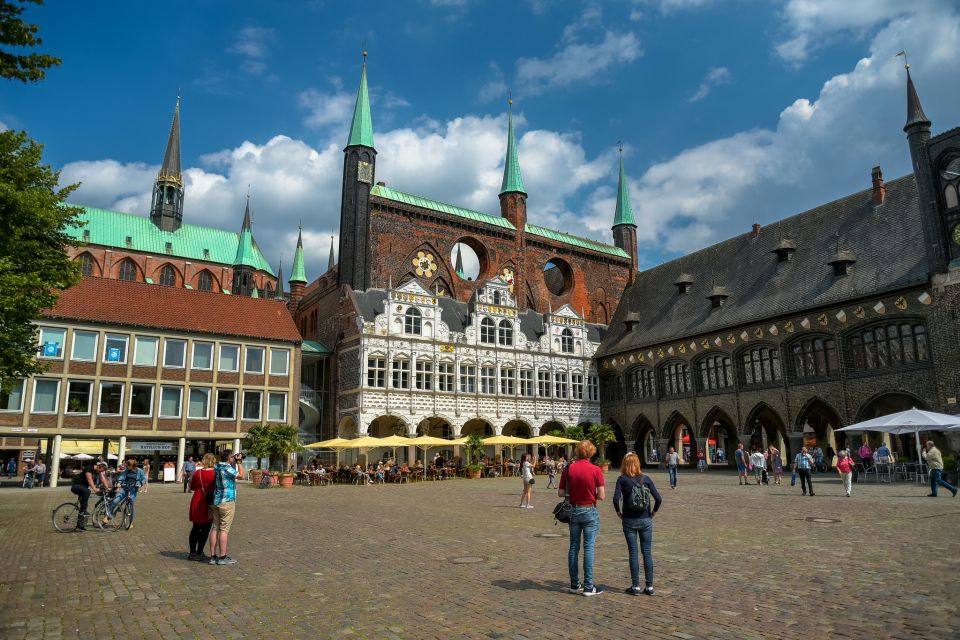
[[458, 559]]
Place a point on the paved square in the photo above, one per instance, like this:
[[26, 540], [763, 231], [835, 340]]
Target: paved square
[[396, 562]]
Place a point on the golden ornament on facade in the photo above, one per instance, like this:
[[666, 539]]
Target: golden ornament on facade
[[822, 319], [901, 303], [507, 276], [425, 266], [789, 326], [731, 339]]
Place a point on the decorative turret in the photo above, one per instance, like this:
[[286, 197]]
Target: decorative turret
[[624, 226], [279, 292], [513, 196], [332, 260], [359, 169], [244, 263], [166, 209], [298, 277]]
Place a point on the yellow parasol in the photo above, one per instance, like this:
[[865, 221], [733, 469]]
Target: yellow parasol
[[333, 443]]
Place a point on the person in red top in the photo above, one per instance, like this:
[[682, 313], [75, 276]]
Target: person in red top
[[582, 484], [201, 482], [845, 469]]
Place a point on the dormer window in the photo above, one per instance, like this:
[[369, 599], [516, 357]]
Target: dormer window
[[168, 247], [129, 241], [684, 283], [842, 262], [718, 297], [206, 254], [784, 250], [86, 235], [631, 320]]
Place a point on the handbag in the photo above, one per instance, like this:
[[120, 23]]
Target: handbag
[[793, 479], [563, 511], [532, 481]]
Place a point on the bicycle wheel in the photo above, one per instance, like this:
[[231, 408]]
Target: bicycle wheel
[[100, 512], [65, 517], [127, 520]]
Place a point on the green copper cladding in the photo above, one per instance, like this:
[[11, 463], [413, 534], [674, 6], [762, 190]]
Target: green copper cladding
[[624, 210], [299, 273], [245, 247], [512, 180], [361, 129]]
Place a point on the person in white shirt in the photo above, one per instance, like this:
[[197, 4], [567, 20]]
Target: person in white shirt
[[526, 472], [759, 464]]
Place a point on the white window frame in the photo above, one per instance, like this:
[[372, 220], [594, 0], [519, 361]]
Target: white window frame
[[193, 355], [246, 359], [179, 414], [446, 376], [526, 383], [136, 350], [576, 386], [286, 361], [270, 396], [153, 393], [62, 343], [508, 383], [593, 387], [183, 359], [33, 396], [377, 371], [544, 383], [423, 378], [217, 404], [400, 371], [106, 347], [23, 387], [206, 405], [66, 408], [561, 385], [487, 329], [488, 380], [468, 377], [220, 358], [243, 406], [100, 397], [73, 345]]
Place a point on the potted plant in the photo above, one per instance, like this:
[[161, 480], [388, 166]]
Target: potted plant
[[473, 448], [601, 435], [274, 442], [257, 444]]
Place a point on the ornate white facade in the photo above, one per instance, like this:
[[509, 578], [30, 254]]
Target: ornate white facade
[[428, 364]]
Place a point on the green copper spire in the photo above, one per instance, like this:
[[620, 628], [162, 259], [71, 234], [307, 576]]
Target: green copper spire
[[512, 180], [624, 213], [299, 273], [361, 130], [246, 255]]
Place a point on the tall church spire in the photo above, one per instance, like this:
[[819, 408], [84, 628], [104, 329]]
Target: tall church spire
[[166, 209], [244, 262], [299, 273], [624, 212], [332, 260], [915, 114], [624, 225], [512, 180], [361, 129], [458, 263]]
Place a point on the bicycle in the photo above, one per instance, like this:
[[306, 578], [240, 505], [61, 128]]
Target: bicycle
[[66, 517], [121, 514], [28, 480]]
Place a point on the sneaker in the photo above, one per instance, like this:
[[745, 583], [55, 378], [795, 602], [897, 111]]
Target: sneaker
[[592, 591], [931, 495], [226, 560], [649, 591], [634, 591], [529, 506], [523, 506], [812, 494], [192, 556], [848, 494], [212, 560], [576, 588]]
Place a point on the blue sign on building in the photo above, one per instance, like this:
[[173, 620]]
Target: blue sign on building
[[51, 349], [113, 354]]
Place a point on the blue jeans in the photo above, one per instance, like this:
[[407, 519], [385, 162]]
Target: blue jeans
[[116, 502], [642, 527], [936, 480], [584, 521], [672, 472]]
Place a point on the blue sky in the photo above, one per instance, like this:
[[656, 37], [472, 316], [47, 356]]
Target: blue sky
[[731, 112]]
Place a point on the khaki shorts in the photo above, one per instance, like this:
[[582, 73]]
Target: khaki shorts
[[222, 515]]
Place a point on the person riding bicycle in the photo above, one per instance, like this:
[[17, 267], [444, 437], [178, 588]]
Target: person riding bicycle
[[91, 479], [129, 482]]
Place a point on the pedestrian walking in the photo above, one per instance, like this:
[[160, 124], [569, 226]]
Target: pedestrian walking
[[803, 465], [582, 483], [740, 457], [758, 464], [40, 472], [146, 473], [866, 455], [226, 474], [551, 474], [701, 460], [11, 468], [935, 461], [635, 490], [776, 463], [526, 473], [186, 472], [201, 483], [673, 461], [845, 470]]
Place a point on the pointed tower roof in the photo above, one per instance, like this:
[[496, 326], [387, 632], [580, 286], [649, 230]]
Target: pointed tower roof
[[246, 256], [279, 293], [170, 169], [512, 180], [361, 129], [624, 214], [299, 273], [331, 261], [458, 263], [915, 114]]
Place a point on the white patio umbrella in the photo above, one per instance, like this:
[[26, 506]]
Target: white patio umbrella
[[83, 456], [911, 421]]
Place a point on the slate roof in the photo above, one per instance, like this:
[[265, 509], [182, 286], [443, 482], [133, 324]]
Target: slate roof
[[887, 241], [137, 304]]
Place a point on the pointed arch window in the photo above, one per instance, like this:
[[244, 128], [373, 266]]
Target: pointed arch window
[[816, 357], [488, 331], [205, 281], [890, 346], [86, 264], [566, 341], [505, 333], [761, 366], [640, 384], [412, 321], [168, 276], [128, 270], [716, 372], [675, 379]]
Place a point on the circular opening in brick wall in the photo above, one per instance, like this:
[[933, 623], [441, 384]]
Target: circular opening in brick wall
[[558, 276], [468, 259]]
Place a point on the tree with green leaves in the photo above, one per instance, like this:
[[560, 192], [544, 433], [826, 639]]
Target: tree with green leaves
[[273, 442], [601, 435], [33, 261], [15, 32]]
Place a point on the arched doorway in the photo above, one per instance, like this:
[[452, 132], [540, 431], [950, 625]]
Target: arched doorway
[[347, 427], [518, 429], [382, 427], [764, 427], [892, 402], [679, 434], [482, 428], [722, 437], [818, 421], [645, 445], [618, 448]]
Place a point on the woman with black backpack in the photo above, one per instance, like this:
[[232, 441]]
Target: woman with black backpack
[[640, 502]]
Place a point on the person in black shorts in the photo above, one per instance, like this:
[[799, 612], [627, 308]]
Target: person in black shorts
[[88, 481]]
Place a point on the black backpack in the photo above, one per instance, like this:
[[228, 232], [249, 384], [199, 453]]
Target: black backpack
[[640, 498]]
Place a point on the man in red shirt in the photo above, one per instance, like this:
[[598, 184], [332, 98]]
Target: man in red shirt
[[582, 484]]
